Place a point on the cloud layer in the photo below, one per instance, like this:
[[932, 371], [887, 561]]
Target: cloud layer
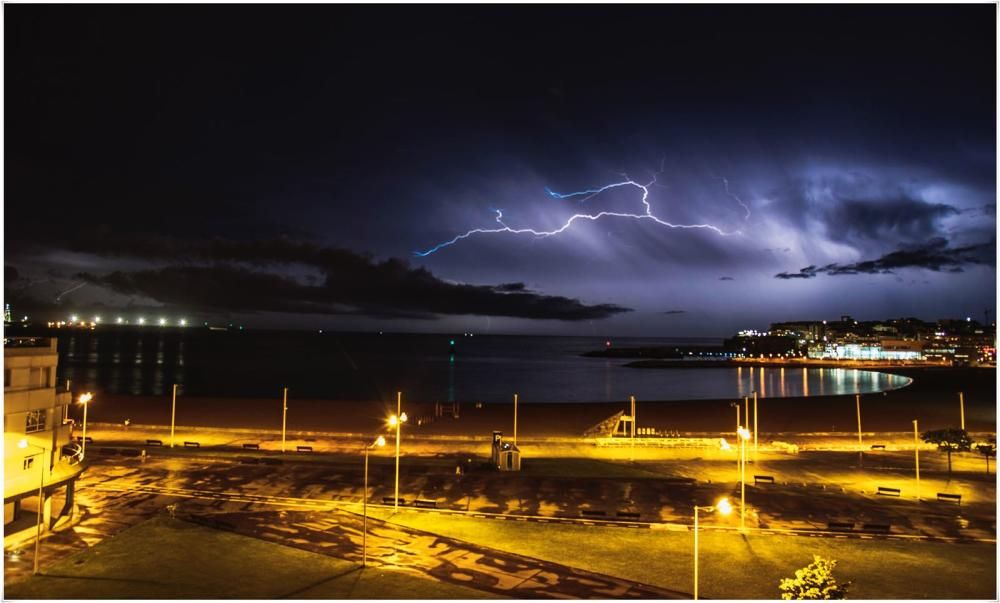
[[283, 276], [936, 255]]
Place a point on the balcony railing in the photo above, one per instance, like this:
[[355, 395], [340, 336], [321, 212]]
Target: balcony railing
[[27, 342]]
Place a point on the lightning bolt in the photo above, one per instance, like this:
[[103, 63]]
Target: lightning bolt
[[70, 290], [725, 182], [585, 195]]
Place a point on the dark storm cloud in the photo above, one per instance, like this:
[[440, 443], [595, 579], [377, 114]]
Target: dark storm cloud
[[807, 272], [224, 275], [903, 218], [935, 255], [675, 312], [726, 278]]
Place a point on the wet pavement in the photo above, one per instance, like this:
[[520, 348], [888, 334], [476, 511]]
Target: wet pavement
[[311, 504]]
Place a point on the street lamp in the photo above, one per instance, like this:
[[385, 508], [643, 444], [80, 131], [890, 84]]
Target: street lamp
[[84, 399], [722, 507], [41, 499], [364, 537], [744, 436], [397, 421], [916, 457]]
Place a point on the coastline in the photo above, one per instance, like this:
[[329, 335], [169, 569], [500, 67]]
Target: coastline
[[931, 398]]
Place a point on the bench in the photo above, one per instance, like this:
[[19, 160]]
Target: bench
[[154, 442], [249, 460], [87, 439], [876, 527], [251, 446], [955, 498], [192, 445], [425, 504], [303, 449], [763, 478], [878, 446], [627, 515], [842, 526], [271, 461], [883, 491], [592, 513], [388, 500]]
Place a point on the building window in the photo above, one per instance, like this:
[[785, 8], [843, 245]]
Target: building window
[[29, 462], [35, 421]]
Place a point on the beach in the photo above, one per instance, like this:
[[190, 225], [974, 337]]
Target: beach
[[932, 398]]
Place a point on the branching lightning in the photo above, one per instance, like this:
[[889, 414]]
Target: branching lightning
[[725, 182], [584, 195]]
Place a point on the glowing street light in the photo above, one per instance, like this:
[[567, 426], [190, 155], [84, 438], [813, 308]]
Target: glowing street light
[[724, 508], [142, 320], [72, 318], [364, 534], [184, 322], [397, 421], [41, 499], [84, 399], [97, 319], [163, 321], [119, 320]]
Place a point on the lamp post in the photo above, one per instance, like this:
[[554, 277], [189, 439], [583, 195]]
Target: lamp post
[[380, 441], [632, 450], [744, 436], [723, 507], [397, 421], [41, 499], [173, 414], [284, 416], [961, 409], [755, 425], [916, 457], [84, 399], [515, 419]]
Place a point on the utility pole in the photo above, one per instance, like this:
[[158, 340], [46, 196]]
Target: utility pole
[[632, 453], [755, 425]]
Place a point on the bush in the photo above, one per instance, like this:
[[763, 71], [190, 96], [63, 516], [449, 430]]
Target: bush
[[814, 581]]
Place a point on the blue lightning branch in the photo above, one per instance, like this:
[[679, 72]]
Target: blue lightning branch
[[584, 195]]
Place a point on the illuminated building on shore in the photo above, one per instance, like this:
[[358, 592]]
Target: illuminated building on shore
[[38, 452], [885, 349]]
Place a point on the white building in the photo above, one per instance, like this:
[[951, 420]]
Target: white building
[[38, 452]]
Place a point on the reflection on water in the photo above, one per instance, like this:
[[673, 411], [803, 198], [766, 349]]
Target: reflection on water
[[484, 368], [838, 380]]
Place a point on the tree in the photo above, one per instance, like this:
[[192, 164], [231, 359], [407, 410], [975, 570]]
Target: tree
[[988, 449], [814, 581], [949, 440]]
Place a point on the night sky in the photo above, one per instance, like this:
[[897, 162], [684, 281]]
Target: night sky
[[280, 166]]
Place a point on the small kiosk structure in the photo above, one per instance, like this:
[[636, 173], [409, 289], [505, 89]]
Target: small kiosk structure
[[506, 456]]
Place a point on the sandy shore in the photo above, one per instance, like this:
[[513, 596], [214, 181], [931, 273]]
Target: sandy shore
[[932, 398]]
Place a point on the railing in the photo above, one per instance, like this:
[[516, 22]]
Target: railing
[[27, 342]]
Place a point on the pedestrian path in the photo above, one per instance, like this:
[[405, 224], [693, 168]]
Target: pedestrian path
[[339, 534]]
